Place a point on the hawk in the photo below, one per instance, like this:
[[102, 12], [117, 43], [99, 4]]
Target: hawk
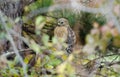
[[63, 30]]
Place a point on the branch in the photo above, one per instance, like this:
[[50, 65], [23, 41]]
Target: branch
[[10, 38]]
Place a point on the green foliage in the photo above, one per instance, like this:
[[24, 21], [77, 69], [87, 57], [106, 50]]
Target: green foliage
[[100, 19], [86, 20], [66, 13], [38, 4], [118, 1]]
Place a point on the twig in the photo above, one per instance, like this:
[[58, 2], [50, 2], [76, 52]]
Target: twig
[[12, 52]]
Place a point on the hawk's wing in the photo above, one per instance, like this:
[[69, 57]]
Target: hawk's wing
[[71, 39]]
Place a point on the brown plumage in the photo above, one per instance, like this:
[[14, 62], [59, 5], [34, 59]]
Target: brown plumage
[[61, 32], [64, 31]]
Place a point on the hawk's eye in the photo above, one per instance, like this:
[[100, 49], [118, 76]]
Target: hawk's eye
[[61, 22]]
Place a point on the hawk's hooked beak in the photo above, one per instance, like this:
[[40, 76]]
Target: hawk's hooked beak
[[59, 24]]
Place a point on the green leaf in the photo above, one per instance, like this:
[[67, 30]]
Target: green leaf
[[35, 47], [45, 39], [39, 20]]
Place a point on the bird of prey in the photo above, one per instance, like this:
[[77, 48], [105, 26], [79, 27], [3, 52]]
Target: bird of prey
[[63, 30]]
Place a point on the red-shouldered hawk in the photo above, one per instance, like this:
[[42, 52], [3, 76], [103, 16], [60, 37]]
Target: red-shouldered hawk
[[64, 31]]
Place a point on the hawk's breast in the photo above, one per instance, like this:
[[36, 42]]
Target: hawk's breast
[[61, 32]]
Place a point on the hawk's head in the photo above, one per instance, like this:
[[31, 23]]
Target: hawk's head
[[63, 22]]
